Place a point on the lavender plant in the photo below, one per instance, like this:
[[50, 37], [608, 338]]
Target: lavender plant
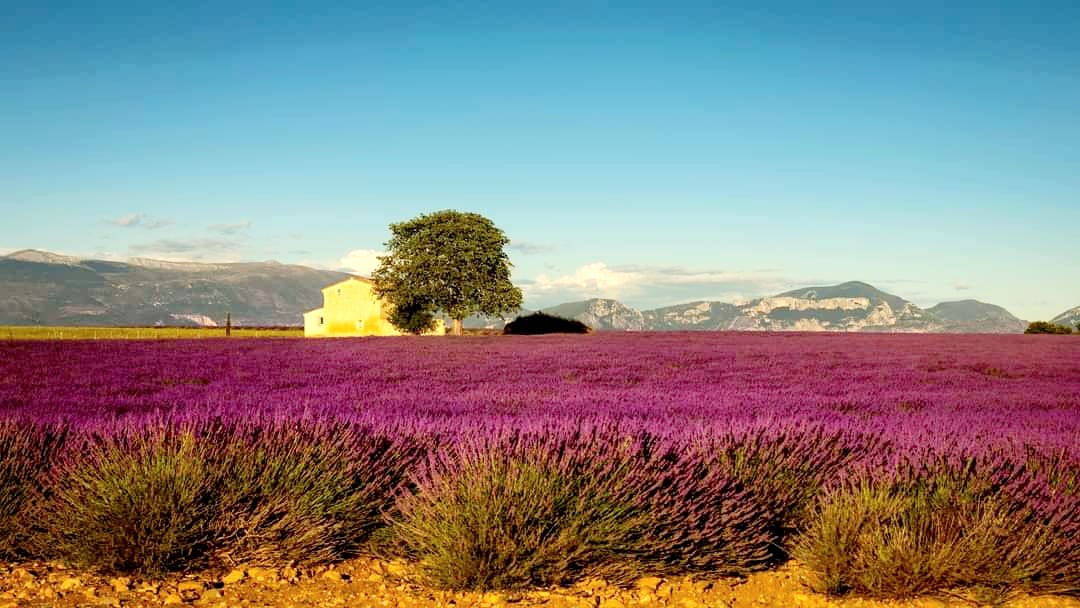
[[932, 527], [732, 502], [644, 452], [520, 511], [184, 496], [26, 454], [307, 492], [136, 502]]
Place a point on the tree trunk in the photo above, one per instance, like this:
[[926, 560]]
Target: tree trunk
[[455, 327]]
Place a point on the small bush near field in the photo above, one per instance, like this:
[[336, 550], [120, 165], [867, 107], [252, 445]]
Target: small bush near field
[[953, 528], [541, 323]]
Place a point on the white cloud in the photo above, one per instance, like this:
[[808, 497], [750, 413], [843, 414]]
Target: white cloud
[[191, 250], [359, 261], [104, 254], [591, 280], [650, 285], [530, 248], [140, 220], [230, 228], [128, 221], [958, 286]]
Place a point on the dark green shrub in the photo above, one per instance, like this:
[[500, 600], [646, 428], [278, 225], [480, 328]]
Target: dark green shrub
[[1044, 327], [541, 323], [954, 529], [493, 519]]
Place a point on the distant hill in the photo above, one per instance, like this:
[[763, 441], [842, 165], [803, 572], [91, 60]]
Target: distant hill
[[851, 306], [599, 313], [41, 288], [1070, 318], [976, 316], [851, 289], [38, 287], [701, 316]]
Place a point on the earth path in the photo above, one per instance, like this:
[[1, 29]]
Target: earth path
[[383, 584]]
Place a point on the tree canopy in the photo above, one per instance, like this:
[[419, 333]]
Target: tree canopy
[[448, 260]]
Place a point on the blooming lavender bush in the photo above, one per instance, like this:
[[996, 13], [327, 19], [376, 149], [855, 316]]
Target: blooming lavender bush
[[135, 502], [26, 455], [731, 502], [194, 493], [307, 492], [978, 523], [687, 452], [517, 510]]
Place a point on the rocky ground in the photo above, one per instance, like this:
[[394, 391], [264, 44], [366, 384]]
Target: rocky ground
[[385, 584]]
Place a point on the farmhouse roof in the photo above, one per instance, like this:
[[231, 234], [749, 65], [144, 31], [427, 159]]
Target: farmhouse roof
[[349, 278]]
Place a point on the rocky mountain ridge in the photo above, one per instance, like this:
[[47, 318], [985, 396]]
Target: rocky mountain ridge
[[852, 306], [1069, 318]]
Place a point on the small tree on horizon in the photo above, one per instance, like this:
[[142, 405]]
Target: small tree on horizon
[[448, 260]]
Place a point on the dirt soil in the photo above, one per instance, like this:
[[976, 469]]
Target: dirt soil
[[386, 584]]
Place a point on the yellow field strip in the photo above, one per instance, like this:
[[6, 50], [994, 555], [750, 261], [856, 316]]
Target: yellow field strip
[[12, 332]]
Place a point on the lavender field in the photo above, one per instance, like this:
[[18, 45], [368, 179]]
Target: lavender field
[[944, 461]]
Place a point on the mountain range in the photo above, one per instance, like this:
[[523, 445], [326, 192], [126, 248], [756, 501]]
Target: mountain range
[[38, 287], [852, 306], [42, 288], [1069, 318]]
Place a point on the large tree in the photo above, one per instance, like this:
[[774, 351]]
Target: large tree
[[448, 260]]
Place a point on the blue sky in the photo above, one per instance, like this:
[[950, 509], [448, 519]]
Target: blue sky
[[652, 152]]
